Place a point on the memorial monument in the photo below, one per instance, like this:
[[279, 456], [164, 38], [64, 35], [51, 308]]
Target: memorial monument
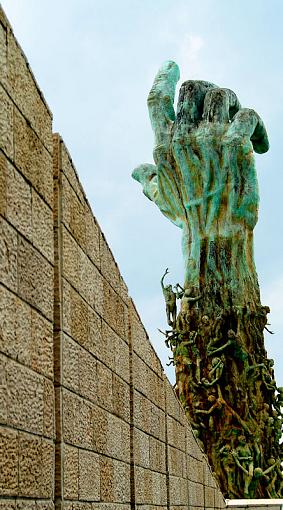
[[204, 180]]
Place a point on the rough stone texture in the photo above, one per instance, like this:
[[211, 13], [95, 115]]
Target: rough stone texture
[[9, 459], [35, 278], [26, 291], [121, 436], [8, 255]]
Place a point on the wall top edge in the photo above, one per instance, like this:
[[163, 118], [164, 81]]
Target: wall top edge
[[253, 502], [7, 25]]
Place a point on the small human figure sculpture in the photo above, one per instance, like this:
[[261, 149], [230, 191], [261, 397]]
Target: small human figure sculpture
[[217, 367], [244, 460], [279, 400], [195, 352], [217, 403], [277, 474], [179, 291], [235, 342], [170, 301], [228, 463], [188, 300]]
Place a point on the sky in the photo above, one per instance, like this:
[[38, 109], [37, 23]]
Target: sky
[[95, 62]]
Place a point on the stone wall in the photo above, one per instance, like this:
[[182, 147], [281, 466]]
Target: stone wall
[[88, 420]]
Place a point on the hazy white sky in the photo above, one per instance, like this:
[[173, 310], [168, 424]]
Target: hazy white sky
[[95, 62]]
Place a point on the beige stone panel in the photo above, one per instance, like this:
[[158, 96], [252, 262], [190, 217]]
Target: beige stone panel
[[79, 319], [219, 500], [209, 497], [192, 447], [124, 292], [157, 422], [8, 255], [90, 283], [100, 428], [148, 417], [84, 432], [32, 158], [71, 351], [173, 406], [6, 123], [70, 256], [35, 278], [157, 455], [105, 346], [25, 335], [177, 462], [156, 507], [121, 482], [178, 490], [47, 483], [148, 382], [15, 326], [73, 213], [112, 506], [209, 478], [159, 493], [70, 411], [19, 203], [24, 397], [42, 226], [41, 345], [106, 479], [113, 351], [7, 504], [24, 91], [48, 409], [44, 505], [3, 391], [118, 438], [186, 507], [121, 359], [176, 433], [67, 298], [195, 470], [141, 448], [196, 494], [70, 173], [89, 476], [109, 267], [3, 55], [104, 387], [114, 311], [92, 236], [87, 375], [26, 504], [9, 459], [142, 345], [30, 465], [71, 472], [77, 420], [143, 486], [121, 398], [3, 183], [142, 410]]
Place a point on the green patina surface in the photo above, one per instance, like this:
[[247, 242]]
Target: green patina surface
[[204, 180]]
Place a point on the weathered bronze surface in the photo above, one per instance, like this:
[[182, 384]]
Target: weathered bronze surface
[[204, 180]]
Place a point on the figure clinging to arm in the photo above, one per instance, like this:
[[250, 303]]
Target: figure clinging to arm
[[170, 301]]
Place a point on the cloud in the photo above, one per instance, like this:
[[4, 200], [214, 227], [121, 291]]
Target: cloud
[[189, 54]]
